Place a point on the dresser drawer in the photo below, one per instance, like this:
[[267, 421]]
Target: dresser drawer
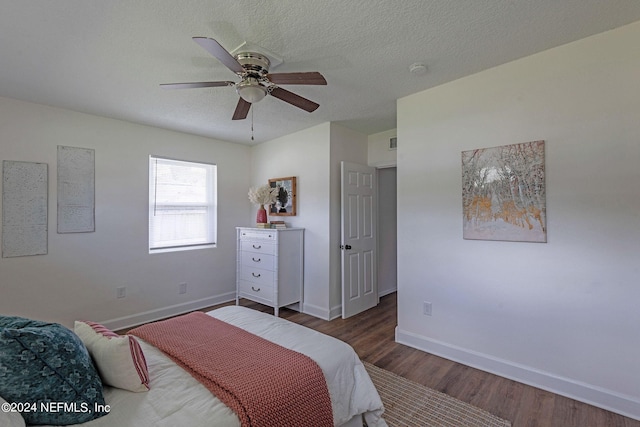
[[256, 275], [258, 247], [257, 260], [258, 235], [255, 291]]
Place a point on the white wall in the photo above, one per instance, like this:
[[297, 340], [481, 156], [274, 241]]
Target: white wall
[[313, 156], [379, 154], [305, 155], [78, 277], [562, 315]]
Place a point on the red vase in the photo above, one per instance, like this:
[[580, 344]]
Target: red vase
[[261, 218]]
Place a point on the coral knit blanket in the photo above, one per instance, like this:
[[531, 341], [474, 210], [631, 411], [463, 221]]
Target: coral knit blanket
[[263, 383]]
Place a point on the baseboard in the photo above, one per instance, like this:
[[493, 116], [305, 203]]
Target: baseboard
[[316, 311], [336, 312], [606, 399], [322, 313], [162, 313], [387, 292]]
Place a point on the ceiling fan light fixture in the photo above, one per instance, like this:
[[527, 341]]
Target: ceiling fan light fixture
[[250, 90]]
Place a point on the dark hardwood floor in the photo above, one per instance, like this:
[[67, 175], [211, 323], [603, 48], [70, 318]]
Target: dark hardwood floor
[[372, 334]]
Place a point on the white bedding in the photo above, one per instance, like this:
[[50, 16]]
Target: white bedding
[[177, 399]]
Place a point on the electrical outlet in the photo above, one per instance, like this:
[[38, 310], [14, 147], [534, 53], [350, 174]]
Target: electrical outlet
[[182, 288], [121, 292], [426, 308]]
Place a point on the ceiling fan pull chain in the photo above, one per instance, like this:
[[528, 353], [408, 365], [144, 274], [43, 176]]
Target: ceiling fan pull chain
[[252, 123]]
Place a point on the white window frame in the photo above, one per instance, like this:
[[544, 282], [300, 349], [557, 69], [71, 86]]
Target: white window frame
[[207, 237]]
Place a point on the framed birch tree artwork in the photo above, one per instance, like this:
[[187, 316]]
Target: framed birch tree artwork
[[503, 193]]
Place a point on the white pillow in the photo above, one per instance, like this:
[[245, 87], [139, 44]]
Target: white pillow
[[10, 419], [118, 358]]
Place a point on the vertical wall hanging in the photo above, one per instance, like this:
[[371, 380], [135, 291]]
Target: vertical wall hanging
[[24, 208], [503, 193], [76, 190]]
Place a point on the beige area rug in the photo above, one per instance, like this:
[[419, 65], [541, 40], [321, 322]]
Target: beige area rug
[[409, 404]]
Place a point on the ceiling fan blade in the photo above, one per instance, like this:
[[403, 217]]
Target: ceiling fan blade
[[215, 49], [195, 85], [310, 78], [242, 109], [294, 99]]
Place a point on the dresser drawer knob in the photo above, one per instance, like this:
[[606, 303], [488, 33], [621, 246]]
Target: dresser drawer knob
[[256, 247], [255, 290], [255, 275], [256, 260]]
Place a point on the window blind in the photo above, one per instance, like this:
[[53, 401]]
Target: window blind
[[182, 203]]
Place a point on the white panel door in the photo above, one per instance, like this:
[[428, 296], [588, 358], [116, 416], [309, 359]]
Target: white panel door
[[358, 247]]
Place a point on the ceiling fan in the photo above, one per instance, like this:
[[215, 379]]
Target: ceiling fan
[[255, 80]]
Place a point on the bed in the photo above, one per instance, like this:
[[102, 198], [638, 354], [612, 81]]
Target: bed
[[176, 398]]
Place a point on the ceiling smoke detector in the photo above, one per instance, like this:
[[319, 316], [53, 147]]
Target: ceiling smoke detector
[[418, 69]]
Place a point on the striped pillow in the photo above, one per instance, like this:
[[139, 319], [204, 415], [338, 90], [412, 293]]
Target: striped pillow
[[118, 358]]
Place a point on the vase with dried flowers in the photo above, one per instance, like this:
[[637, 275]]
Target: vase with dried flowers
[[262, 195]]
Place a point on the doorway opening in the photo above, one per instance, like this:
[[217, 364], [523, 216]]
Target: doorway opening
[[387, 231]]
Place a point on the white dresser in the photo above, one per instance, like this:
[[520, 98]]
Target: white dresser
[[270, 266]]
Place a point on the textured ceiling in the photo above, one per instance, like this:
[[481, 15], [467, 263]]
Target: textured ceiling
[[108, 57]]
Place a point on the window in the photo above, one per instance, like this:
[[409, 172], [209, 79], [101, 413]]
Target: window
[[182, 205]]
